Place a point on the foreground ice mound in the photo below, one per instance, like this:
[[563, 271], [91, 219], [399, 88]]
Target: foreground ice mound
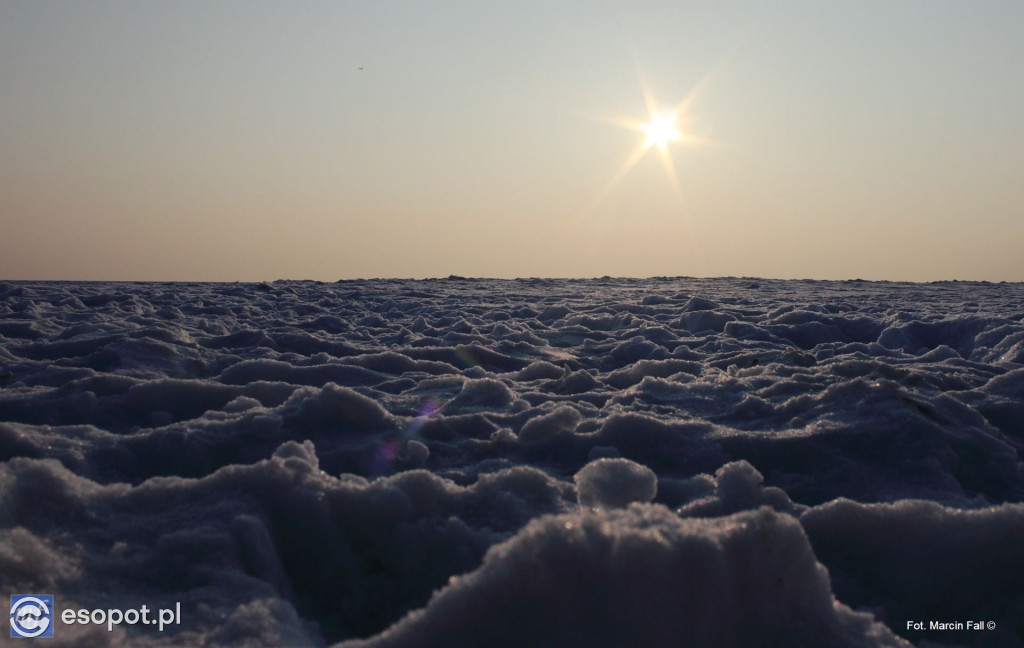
[[642, 577], [931, 561]]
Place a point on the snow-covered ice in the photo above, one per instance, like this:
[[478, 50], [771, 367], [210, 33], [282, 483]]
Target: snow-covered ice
[[605, 462]]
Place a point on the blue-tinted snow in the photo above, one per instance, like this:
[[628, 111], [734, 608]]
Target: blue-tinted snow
[[676, 462]]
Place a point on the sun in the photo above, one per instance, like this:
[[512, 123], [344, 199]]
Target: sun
[[660, 131], [661, 128]]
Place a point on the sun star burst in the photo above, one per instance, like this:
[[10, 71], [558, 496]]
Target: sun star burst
[[661, 128]]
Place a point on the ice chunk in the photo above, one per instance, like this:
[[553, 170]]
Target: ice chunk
[[562, 420], [481, 393], [737, 487], [615, 483], [643, 577], [334, 405]]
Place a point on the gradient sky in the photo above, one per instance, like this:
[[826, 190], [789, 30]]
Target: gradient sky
[[256, 140]]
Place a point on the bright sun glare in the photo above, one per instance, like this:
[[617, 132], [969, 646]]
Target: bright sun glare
[[661, 128], [660, 131]]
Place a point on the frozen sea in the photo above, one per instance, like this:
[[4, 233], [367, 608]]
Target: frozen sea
[[466, 462]]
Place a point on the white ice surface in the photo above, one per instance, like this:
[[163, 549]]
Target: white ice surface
[[677, 462]]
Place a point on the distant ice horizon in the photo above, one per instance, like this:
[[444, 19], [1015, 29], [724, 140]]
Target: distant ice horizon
[[454, 276]]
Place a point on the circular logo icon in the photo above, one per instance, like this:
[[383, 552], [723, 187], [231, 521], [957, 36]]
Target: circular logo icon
[[31, 617]]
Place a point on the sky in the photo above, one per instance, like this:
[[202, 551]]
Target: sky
[[254, 140]]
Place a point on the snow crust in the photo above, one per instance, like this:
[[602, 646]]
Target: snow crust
[[661, 462]]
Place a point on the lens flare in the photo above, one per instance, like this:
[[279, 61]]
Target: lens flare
[[389, 450]]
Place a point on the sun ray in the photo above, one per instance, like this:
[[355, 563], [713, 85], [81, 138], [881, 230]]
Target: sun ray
[[650, 103], [670, 170], [638, 153]]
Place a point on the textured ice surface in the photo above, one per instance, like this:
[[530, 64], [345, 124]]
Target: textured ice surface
[[661, 462]]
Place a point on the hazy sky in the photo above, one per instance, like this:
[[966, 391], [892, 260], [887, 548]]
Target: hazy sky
[[252, 140]]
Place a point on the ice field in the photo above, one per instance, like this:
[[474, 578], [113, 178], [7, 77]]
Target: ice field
[[461, 462]]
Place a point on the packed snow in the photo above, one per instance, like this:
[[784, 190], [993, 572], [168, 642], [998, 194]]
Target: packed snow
[[462, 462]]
